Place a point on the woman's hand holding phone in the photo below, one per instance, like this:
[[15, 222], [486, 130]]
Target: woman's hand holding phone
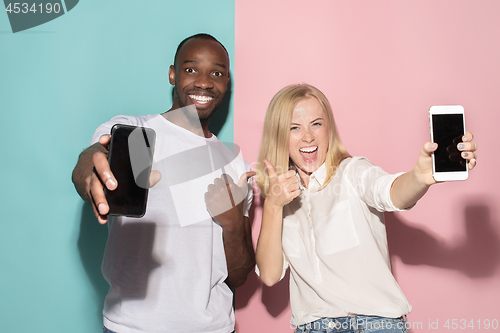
[[424, 166], [468, 150], [408, 188]]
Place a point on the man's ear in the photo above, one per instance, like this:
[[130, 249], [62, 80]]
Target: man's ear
[[171, 75]]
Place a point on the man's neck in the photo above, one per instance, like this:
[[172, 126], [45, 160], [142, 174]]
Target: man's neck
[[187, 118]]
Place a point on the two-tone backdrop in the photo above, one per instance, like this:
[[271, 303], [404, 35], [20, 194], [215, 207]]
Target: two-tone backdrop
[[381, 63]]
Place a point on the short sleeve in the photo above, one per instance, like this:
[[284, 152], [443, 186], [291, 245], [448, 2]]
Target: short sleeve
[[106, 127], [249, 198]]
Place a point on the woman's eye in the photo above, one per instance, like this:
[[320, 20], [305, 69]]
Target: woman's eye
[[293, 128], [317, 124]]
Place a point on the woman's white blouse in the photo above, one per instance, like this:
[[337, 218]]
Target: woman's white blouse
[[335, 243]]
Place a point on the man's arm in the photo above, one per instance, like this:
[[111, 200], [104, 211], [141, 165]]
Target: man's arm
[[240, 256], [236, 230]]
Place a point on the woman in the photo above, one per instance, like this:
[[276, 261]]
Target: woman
[[323, 218]]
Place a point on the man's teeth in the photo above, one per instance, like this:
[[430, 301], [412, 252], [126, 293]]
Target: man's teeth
[[201, 99], [308, 149]]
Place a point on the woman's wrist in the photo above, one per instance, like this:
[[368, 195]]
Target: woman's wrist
[[271, 207]]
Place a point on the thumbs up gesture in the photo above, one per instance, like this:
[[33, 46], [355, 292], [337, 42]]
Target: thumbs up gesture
[[282, 188], [224, 198]]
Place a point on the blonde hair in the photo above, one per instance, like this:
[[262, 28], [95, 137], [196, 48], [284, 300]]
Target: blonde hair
[[274, 144]]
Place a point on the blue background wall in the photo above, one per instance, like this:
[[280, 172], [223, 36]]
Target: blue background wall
[[58, 82]]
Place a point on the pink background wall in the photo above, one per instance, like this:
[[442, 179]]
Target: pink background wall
[[382, 64]]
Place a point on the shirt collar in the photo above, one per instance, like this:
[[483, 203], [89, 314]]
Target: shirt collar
[[319, 175]]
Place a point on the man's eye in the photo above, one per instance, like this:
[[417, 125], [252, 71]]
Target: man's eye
[[189, 70], [218, 74]]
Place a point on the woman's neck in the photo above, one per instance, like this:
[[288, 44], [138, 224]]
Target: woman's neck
[[304, 177]]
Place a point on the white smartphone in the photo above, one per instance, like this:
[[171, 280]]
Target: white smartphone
[[447, 124]]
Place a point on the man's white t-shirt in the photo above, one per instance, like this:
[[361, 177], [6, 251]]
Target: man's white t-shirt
[[166, 270]]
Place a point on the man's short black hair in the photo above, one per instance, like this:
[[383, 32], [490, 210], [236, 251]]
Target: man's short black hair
[[199, 36]]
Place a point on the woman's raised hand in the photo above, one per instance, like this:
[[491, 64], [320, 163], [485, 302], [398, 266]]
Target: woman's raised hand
[[282, 188]]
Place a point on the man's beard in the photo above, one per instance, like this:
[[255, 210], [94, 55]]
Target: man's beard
[[202, 117]]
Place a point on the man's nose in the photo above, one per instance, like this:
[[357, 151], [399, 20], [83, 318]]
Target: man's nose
[[204, 81]]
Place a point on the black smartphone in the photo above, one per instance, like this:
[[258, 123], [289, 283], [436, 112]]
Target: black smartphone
[[130, 158], [447, 129]]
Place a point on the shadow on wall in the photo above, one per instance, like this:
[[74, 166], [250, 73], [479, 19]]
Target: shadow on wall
[[477, 255], [275, 298], [91, 244]]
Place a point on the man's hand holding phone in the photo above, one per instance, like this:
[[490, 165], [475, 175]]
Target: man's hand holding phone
[[93, 174]]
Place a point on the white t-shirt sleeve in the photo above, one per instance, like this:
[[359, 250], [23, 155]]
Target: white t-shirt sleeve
[[248, 200], [106, 127]]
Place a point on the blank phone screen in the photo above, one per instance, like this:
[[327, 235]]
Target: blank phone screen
[[448, 130], [130, 196]]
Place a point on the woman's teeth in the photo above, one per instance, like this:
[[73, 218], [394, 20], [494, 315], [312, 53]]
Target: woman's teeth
[[308, 149]]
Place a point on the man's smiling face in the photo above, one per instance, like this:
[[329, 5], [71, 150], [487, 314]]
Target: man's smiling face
[[200, 76]]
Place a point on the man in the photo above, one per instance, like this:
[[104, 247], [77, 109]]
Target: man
[[171, 270]]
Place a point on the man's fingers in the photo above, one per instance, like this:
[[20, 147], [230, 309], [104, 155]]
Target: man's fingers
[[101, 166], [97, 195], [99, 203], [154, 178], [227, 179], [102, 219], [104, 140], [249, 174], [270, 169], [221, 182], [245, 177]]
